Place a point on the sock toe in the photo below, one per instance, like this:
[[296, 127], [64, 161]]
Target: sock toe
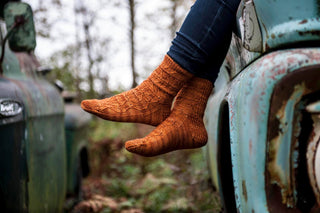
[[88, 105], [137, 146]]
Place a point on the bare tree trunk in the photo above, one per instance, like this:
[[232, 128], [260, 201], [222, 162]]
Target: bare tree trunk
[[88, 41], [132, 43], [174, 23], [87, 22], [77, 53]]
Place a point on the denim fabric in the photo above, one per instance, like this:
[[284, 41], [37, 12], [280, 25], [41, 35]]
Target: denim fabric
[[202, 43]]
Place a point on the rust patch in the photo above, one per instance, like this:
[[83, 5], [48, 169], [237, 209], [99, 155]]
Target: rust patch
[[265, 29], [244, 190], [311, 150], [273, 36], [303, 21], [312, 32], [250, 147], [277, 195], [267, 47]]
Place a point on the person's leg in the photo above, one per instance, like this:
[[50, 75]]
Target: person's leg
[[200, 47], [204, 38]]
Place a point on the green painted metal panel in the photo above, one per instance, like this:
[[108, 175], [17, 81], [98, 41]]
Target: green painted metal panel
[[76, 125], [33, 149], [22, 36], [10, 65], [46, 163]]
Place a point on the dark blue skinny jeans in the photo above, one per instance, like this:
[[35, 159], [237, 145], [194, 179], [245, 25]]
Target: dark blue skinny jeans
[[204, 38]]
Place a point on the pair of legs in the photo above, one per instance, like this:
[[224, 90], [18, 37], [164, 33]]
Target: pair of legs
[[187, 74]]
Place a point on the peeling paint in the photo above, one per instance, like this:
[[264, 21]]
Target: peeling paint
[[27, 148], [264, 104], [313, 145], [303, 21], [295, 22], [280, 147]]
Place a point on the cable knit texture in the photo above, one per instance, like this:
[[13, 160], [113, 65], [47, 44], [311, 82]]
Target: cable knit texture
[[184, 128], [148, 103]]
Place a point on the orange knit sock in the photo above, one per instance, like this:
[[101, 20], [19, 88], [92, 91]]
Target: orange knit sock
[[148, 103], [184, 128]]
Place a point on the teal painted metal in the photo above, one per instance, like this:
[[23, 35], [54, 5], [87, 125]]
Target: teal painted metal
[[248, 97], [280, 24], [263, 95], [249, 101], [287, 22]]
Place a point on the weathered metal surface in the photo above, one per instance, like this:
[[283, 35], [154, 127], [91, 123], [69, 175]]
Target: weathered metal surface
[[33, 149], [238, 57], [287, 22], [213, 110], [38, 167], [10, 65], [76, 124], [22, 37], [280, 162], [314, 107], [313, 156], [265, 26], [248, 96], [249, 26], [288, 134], [317, 172]]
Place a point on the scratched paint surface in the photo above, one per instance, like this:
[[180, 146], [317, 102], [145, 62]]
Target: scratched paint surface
[[280, 147], [248, 96], [33, 149], [285, 22]]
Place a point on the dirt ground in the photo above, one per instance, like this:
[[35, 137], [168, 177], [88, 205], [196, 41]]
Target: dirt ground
[[123, 182]]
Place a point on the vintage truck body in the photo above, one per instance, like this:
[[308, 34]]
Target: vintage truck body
[[262, 119], [42, 142]]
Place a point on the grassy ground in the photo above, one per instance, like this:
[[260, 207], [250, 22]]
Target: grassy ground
[[126, 183]]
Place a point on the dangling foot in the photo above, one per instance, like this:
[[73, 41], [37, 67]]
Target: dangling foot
[[184, 128], [148, 103]]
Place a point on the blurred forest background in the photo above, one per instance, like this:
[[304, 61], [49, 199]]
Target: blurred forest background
[[98, 48]]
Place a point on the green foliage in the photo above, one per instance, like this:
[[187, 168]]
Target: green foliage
[[64, 69], [156, 200], [130, 171], [102, 129], [118, 188], [174, 182], [159, 167]]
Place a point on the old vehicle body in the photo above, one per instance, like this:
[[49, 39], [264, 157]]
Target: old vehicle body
[[34, 151], [263, 118], [76, 124]]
